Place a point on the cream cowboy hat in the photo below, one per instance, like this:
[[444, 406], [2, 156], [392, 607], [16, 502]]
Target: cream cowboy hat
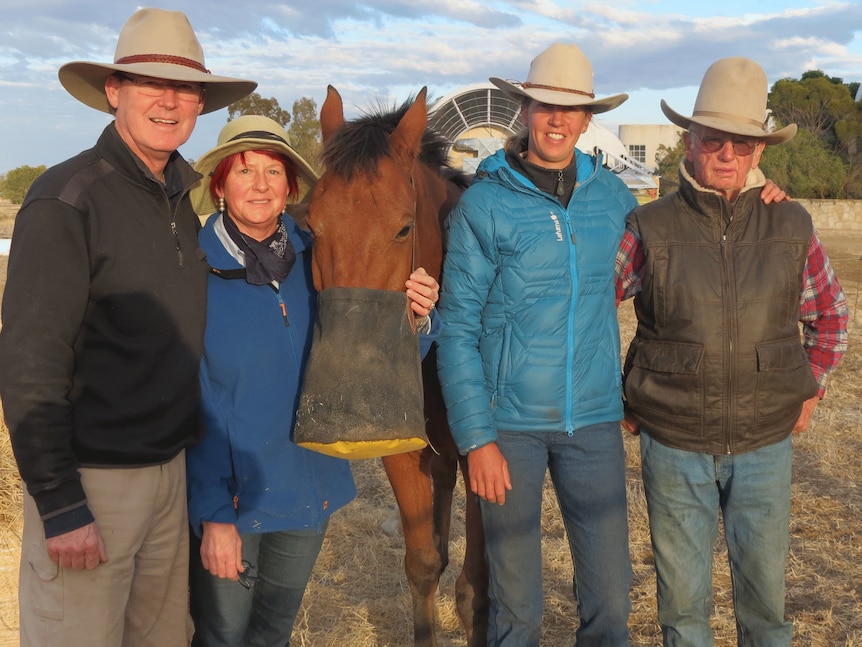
[[245, 133], [560, 76], [732, 99], [160, 44]]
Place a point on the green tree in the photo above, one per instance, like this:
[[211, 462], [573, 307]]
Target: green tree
[[18, 182], [254, 104], [667, 160], [815, 102], [805, 168], [304, 131], [825, 107]]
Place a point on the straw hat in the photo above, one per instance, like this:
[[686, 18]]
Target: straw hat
[[245, 133], [560, 76], [160, 44], [732, 99]]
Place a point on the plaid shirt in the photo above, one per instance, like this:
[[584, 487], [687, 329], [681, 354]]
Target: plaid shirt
[[822, 304]]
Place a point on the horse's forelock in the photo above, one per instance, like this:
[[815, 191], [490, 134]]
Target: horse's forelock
[[360, 144]]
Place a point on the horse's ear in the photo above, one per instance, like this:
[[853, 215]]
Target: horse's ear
[[331, 114], [407, 136]]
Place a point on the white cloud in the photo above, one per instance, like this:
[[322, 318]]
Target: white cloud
[[386, 49]]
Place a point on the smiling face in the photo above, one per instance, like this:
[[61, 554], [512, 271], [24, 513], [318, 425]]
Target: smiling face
[[721, 160], [153, 127], [553, 132], [255, 191]]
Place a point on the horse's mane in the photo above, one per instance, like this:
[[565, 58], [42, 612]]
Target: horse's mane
[[358, 145]]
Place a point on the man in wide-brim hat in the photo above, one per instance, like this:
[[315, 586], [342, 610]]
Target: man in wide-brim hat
[[103, 319], [716, 378]]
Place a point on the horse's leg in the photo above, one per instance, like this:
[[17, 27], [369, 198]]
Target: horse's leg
[[471, 587], [422, 562]]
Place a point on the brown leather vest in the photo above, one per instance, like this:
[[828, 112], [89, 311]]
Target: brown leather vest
[[717, 365]]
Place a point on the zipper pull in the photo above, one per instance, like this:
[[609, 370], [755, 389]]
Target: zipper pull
[[283, 308], [559, 190]]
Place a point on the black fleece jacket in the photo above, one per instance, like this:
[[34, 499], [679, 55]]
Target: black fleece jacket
[[103, 320]]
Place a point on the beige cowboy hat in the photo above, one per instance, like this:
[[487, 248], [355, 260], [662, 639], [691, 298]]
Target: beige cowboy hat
[[560, 76], [246, 133], [732, 99], [160, 44]]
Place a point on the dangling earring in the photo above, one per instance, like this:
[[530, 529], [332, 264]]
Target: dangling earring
[[221, 206]]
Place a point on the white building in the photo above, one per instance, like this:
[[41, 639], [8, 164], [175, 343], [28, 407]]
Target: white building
[[642, 141]]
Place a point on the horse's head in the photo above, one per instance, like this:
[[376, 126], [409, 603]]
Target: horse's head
[[364, 210]]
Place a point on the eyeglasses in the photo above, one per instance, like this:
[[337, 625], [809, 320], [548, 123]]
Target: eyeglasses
[[190, 92], [246, 578], [742, 146]]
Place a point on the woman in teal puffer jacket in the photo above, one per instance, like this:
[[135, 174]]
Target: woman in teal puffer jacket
[[529, 355]]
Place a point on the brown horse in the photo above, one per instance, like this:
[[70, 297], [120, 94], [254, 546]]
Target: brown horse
[[375, 214]]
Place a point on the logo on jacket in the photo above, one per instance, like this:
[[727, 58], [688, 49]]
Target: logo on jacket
[[557, 227]]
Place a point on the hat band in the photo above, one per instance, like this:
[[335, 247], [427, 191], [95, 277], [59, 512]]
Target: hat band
[[724, 115], [259, 134], [162, 58], [539, 86]]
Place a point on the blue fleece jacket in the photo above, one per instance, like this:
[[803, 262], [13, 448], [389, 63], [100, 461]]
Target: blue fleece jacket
[[247, 470]]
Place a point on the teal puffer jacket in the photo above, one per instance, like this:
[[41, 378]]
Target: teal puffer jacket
[[530, 340]]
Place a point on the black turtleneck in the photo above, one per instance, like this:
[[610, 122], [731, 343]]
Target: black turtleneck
[[559, 183]]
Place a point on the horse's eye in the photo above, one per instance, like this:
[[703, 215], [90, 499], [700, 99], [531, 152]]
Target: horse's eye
[[403, 233]]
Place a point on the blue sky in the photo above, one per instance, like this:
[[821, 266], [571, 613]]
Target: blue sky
[[385, 50]]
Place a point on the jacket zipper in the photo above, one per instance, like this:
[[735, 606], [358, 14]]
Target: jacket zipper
[[282, 307], [728, 323], [177, 241]]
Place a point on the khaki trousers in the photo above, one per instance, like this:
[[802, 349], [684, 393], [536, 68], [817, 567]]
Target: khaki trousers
[[139, 597]]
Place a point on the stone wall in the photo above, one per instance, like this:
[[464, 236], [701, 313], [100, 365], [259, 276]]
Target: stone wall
[[835, 214]]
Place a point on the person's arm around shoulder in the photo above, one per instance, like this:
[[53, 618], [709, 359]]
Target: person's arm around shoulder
[[771, 192]]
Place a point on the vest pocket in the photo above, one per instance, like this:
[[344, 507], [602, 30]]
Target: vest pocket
[[784, 378], [664, 384]]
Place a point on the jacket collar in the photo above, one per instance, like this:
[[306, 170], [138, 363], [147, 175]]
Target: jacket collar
[[180, 176]]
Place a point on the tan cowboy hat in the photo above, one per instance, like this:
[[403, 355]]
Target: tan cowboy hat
[[560, 76], [245, 133], [160, 44], [732, 99]]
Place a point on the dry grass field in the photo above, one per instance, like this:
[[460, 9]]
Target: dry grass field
[[358, 594]]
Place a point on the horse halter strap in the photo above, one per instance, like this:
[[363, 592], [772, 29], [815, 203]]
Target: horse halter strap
[[415, 226]]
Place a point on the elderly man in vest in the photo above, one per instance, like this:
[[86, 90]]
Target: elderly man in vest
[[717, 378]]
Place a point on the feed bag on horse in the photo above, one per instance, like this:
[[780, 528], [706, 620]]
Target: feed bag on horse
[[362, 392]]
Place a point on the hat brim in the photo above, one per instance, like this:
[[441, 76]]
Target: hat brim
[[86, 82], [559, 97], [728, 124], [200, 194]]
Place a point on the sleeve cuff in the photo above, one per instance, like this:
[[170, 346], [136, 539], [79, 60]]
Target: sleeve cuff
[[68, 521]]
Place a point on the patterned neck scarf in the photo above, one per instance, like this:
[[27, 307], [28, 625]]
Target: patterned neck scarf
[[266, 260]]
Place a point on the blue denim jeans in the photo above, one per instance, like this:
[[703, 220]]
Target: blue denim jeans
[[685, 492], [588, 473], [227, 614]]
